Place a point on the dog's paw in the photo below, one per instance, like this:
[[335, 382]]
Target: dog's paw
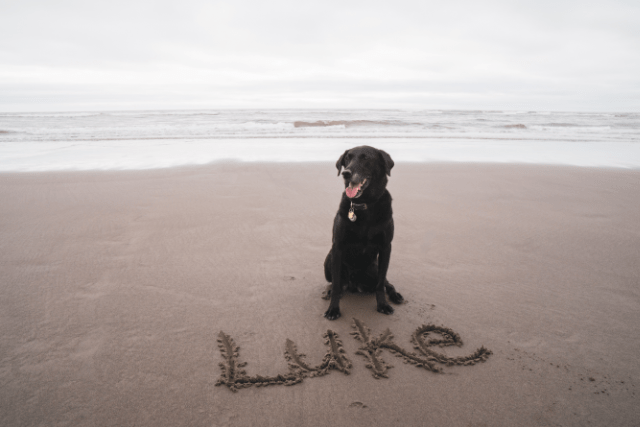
[[385, 308], [396, 298], [326, 294], [332, 313]]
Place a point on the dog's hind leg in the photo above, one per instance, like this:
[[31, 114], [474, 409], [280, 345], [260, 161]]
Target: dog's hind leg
[[394, 296], [369, 280]]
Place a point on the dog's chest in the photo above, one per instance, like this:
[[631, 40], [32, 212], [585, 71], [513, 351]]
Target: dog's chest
[[364, 236]]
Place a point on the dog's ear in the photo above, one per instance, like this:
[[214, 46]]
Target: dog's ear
[[340, 162], [388, 162]]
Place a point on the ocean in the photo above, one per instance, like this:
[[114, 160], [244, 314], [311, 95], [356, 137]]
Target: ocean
[[159, 139]]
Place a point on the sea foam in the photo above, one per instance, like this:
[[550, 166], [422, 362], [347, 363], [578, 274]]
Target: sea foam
[[159, 139]]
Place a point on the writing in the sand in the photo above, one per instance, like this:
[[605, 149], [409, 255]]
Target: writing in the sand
[[235, 377]]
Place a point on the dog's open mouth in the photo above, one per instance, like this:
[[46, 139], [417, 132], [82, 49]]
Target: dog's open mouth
[[355, 190]]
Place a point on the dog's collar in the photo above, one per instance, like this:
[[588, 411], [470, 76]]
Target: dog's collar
[[355, 206]]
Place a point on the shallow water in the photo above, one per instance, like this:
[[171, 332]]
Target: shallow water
[[158, 139]]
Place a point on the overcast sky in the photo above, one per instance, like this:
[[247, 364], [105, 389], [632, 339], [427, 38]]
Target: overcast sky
[[508, 55]]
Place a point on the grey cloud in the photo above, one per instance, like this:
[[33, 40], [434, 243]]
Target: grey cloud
[[559, 51]]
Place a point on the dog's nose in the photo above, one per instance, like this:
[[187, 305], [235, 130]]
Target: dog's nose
[[346, 173]]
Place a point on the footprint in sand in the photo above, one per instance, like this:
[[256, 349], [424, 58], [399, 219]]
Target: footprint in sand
[[357, 405]]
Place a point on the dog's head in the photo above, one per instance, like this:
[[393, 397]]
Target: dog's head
[[365, 172]]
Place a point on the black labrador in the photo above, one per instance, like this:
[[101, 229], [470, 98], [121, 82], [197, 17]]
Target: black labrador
[[362, 230]]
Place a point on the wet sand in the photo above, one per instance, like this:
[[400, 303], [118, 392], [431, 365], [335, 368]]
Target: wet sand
[[116, 286]]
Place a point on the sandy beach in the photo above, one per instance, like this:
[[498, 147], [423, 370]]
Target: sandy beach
[[115, 287]]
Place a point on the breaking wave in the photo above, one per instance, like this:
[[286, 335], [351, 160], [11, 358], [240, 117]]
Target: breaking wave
[[518, 126], [350, 123]]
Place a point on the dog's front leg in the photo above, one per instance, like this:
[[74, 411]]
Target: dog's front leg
[[383, 265], [333, 312]]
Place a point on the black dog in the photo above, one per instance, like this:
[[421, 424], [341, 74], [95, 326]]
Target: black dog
[[362, 230]]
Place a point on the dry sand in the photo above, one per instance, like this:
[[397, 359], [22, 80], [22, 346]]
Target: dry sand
[[115, 287]]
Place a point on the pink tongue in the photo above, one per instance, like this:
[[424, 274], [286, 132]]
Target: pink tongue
[[352, 191]]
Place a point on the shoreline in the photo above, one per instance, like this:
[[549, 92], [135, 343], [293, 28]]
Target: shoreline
[[118, 283], [194, 167], [153, 154]]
